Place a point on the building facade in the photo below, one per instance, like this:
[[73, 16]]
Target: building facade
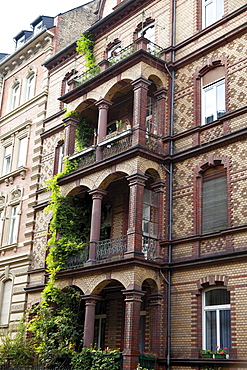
[[157, 129]]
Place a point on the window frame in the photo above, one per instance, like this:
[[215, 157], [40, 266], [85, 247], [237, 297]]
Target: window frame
[[217, 308], [30, 86], [7, 160], [2, 296], [214, 98], [15, 96], [13, 224], [215, 9]]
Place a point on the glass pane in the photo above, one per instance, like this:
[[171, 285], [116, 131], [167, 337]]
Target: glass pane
[[5, 307], [219, 9], [209, 96], [216, 297], [22, 152], [146, 212], [225, 329], [208, 14], [220, 100], [211, 332]]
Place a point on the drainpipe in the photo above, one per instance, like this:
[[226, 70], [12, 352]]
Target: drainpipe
[[172, 75]]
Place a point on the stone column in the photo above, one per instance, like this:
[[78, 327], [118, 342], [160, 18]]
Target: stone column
[[140, 88], [97, 196], [70, 133], [158, 187], [134, 233], [90, 303], [131, 352], [155, 300], [103, 106]]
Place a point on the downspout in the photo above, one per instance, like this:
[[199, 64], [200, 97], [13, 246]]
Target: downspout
[[173, 42]]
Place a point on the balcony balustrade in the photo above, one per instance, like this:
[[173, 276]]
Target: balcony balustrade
[[149, 46], [110, 250]]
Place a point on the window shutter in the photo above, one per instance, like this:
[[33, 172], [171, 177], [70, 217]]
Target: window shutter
[[214, 205]]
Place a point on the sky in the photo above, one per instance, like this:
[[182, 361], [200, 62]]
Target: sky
[[18, 14]]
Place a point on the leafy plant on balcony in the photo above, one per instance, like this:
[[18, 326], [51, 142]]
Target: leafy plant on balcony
[[84, 130], [84, 46]]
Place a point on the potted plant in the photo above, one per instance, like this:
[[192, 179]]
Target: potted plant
[[206, 353], [220, 353]]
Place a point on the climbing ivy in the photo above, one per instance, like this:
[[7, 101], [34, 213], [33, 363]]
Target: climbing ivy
[[84, 46], [84, 130]]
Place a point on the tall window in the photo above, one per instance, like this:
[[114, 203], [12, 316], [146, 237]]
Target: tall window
[[1, 224], [147, 31], [216, 319], [213, 101], [30, 87], [151, 125], [22, 152], [7, 160], [15, 96], [5, 302], [212, 10], [214, 200], [100, 324], [13, 226]]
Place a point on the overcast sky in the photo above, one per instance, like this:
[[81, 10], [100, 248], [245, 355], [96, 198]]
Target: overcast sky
[[16, 15]]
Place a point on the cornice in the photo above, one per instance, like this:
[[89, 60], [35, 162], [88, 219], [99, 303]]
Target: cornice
[[30, 48]]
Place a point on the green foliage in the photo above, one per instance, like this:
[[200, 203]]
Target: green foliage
[[96, 359], [57, 328], [84, 130], [17, 350], [84, 46]]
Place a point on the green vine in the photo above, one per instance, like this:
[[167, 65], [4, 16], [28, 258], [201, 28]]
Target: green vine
[[84, 130], [84, 46]]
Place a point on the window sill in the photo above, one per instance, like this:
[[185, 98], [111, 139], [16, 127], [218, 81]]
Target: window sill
[[5, 248], [8, 178]]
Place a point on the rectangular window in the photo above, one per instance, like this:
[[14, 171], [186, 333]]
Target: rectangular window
[[212, 10], [216, 319], [60, 158], [214, 201], [22, 152], [30, 87], [1, 225], [5, 302], [213, 101], [7, 160], [13, 226]]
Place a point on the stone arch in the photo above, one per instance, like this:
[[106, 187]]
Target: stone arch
[[113, 176], [104, 283], [211, 280]]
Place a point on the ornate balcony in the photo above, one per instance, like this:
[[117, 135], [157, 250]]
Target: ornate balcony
[[149, 247], [111, 249]]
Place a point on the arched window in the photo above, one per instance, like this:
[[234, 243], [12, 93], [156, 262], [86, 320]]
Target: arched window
[[216, 318], [15, 96], [5, 299], [30, 86]]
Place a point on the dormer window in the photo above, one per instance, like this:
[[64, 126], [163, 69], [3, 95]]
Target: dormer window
[[20, 42], [38, 27]]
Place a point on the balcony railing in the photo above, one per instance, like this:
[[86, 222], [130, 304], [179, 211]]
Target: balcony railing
[[149, 247], [78, 259], [150, 47], [111, 249]]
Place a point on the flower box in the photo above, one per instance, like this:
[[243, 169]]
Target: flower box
[[207, 355], [220, 355]]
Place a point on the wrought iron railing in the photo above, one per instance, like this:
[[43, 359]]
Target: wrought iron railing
[[84, 77], [117, 147], [149, 247], [78, 259], [124, 53], [86, 159], [154, 49], [111, 249]]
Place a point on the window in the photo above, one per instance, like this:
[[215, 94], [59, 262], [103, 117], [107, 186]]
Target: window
[[151, 126], [214, 200], [30, 87], [7, 159], [216, 319], [6, 293], [212, 10], [147, 31], [22, 152], [60, 158], [21, 41], [13, 227], [38, 27], [1, 224], [213, 103], [15, 96], [99, 324]]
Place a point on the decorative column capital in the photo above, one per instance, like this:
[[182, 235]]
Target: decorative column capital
[[70, 121], [103, 104], [137, 179], [155, 299], [133, 295], [158, 186], [141, 82], [91, 299], [161, 93], [97, 193]]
